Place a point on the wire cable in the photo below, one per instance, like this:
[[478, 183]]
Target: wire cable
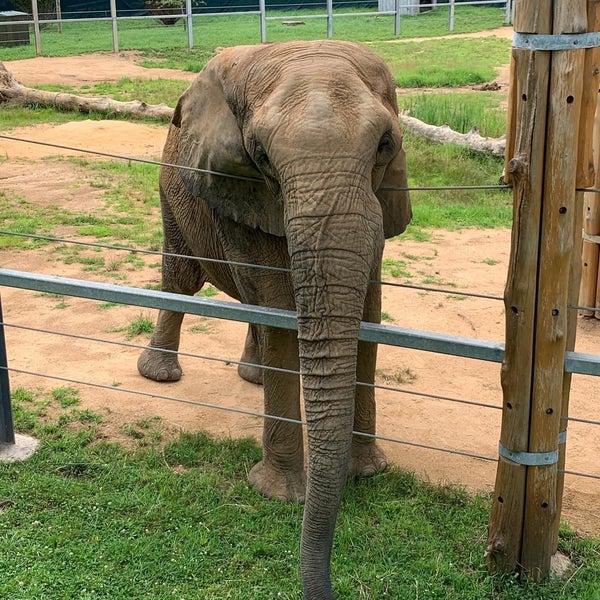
[[258, 414], [235, 263], [242, 363], [240, 177]]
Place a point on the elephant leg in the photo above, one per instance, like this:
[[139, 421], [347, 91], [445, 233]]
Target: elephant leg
[[280, 473], [251, 357], [180, 276], [367, 458]]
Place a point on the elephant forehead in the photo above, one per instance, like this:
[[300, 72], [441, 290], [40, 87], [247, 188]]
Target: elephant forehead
[[323, 107]]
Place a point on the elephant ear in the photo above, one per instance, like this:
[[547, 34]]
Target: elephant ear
[[395, 203], [210, 139]]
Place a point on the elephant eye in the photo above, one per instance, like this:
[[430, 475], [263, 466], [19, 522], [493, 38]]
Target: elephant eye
[[386, 143], [260, 155]]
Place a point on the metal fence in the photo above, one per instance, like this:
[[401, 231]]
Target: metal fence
[[465, 347], [17, 27]]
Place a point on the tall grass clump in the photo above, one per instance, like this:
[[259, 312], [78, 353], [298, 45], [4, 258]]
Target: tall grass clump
[[461, 111]]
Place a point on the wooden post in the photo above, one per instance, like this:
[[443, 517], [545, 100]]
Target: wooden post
[[543, 169], [591, 227], [589, 290], [587, 175]]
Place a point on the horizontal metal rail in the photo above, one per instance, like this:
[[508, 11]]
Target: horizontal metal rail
[[234, 311], [575, 362]]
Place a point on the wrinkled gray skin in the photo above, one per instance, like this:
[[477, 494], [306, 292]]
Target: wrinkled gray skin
[[317, 124]]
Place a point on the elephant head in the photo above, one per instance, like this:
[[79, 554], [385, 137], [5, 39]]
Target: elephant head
[[310, 132]]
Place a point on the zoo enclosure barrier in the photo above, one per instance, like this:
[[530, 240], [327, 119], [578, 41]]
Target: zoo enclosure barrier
[[382, 334], [15, 26]]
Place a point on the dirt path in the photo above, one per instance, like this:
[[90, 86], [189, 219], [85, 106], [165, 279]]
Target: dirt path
[[470, 260]]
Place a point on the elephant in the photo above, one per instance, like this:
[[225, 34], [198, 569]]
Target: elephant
[[290, 155]]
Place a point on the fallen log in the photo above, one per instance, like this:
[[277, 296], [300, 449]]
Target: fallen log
[[472, 140], [11, 91]]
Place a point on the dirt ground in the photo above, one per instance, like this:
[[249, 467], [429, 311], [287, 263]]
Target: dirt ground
[[468, 260]]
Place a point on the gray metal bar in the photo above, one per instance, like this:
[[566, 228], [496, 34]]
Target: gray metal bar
[[7, 431], [431, 342], [575, 362], [189, 21], [584, 364], [370, 332], [148, 298], [329, 19], [262, 5], [36, 27], [563, 41], [396, 17], [115, 27], [530, 459]]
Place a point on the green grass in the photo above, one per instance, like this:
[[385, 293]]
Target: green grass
[[141, 325], [445, 62], [175, 517], [449, 165], [129, 215], [394, 268], [126, 89], [461, 111]]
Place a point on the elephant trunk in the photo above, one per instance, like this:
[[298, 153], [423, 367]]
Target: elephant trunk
[[332, 259]]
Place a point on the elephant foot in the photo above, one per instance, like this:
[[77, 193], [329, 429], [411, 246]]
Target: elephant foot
[[159, 366], [289, 485], [251, 373], [366, 460]]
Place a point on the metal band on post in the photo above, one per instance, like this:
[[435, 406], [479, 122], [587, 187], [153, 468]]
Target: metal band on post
[[533, 459], [564, 41]]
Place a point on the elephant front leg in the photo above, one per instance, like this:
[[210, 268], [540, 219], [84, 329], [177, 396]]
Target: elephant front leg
[[280, 473], [154, 363], [181, 274], [251, 361], [367, 458]]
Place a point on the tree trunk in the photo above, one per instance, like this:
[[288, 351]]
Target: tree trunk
[[444, 135], [11, 91]]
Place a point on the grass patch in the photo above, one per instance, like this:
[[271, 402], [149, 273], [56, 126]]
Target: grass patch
[[14, 116], [126, 89], [66, 396], [461, 111], [448, 165], [228, 30], [85, 518], [129, 214], [208, 291], [446, 62], [391, 267], [396, 376], [141, 325]]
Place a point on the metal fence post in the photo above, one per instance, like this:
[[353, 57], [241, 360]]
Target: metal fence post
[[36, 27], [508, 15], [7, 431], [262, 5], [451, 16], [396, 17], [329, 18], [115, 29], [59, 15], [190, 25]]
